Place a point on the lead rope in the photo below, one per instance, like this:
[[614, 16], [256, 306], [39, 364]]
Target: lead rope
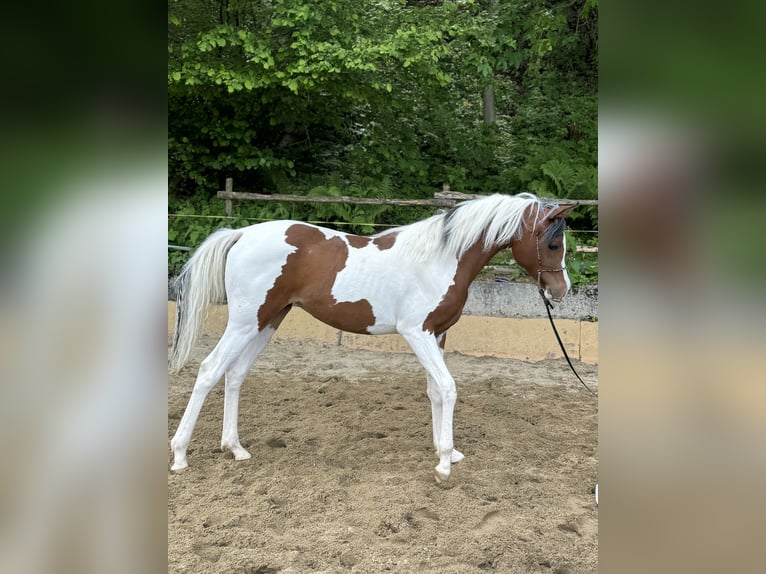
[[548, 307]]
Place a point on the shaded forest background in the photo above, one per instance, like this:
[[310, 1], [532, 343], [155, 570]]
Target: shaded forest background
[[379, 99]]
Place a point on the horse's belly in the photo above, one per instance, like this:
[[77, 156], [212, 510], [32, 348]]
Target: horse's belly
[[352, 317]]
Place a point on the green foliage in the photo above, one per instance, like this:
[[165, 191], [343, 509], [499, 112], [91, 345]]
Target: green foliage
[[365, 99], [582, 267], [359, 217]]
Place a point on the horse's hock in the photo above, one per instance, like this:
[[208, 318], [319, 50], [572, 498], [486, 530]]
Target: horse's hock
[[505, 320]]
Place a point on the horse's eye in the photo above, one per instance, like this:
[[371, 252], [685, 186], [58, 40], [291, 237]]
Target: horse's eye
[[553, 247]]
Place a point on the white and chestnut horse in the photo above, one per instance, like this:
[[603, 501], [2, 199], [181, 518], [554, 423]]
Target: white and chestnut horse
[[411, 280]]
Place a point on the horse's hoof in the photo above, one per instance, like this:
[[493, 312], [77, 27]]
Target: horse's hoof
[[456, 456], [237, 450], [242, 455], [179, 466], [441, 475]]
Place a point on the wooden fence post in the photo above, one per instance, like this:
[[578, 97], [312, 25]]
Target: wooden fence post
[[229, 188]]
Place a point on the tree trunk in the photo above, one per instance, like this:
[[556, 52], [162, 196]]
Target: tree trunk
[[488, 103], [488, 95]]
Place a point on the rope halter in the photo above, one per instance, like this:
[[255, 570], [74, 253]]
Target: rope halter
[[540, 268]]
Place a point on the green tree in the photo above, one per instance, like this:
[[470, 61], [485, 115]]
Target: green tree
[[382, 98]]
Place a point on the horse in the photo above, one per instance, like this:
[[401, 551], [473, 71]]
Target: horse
[[412, 280]]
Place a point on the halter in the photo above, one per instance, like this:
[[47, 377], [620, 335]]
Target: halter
[[549, 306], [540, 268]]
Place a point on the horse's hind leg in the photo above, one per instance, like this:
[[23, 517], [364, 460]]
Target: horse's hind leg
[[235, 375], [226, 352]]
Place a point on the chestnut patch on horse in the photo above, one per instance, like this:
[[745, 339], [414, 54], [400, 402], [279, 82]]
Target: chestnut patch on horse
[[451, 305], [307, 278], [385, 241], [358, 241]]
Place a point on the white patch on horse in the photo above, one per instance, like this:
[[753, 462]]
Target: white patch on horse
[[393, 286], [255, 263]]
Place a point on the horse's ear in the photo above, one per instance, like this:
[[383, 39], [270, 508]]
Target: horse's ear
[[560, 211]]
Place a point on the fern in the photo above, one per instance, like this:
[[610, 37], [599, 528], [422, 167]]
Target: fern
[[561, 174], [539, 187]]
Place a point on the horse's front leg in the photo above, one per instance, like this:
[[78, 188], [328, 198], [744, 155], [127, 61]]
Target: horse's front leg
[[436, 406], [441, 392], [434, 397]]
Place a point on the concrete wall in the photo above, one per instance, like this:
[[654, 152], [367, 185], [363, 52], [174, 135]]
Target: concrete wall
[[522, 300], [504, 320]]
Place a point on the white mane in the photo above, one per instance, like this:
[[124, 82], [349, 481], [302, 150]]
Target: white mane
[[498, 217]]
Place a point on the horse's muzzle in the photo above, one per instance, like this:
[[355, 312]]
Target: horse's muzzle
[[548, 296]]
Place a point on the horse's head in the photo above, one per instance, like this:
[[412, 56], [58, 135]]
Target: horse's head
[[541, 251]]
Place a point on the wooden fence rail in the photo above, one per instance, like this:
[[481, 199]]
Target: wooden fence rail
[[241, 195], [445, 198]]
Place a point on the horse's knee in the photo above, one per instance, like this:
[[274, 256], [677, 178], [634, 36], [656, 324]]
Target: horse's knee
[[442, 398]]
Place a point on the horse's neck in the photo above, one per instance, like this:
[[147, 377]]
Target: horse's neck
[[472, 262]]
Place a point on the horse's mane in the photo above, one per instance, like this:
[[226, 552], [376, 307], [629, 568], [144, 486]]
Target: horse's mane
[[498, 218]]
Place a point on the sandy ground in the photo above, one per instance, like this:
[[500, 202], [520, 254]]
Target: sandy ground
[[341, 478]]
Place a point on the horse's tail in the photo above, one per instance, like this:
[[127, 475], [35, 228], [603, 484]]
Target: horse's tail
[[200, 283]]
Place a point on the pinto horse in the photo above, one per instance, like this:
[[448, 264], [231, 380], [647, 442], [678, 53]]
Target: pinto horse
[[412, 280]]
